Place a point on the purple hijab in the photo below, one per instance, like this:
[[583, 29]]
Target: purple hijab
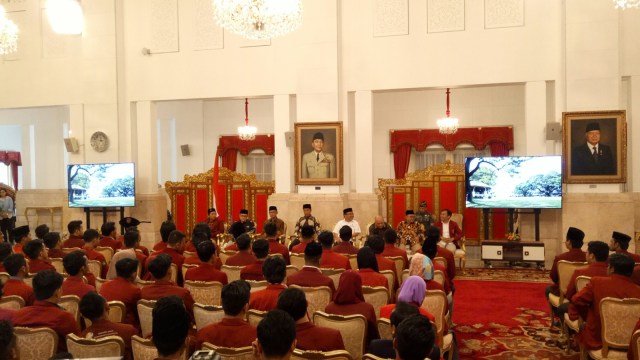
[[413, 290]]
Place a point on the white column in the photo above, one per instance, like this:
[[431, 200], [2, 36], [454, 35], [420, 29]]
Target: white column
[[535, 117], [145, 127], [282, 124], [633, 132], [363, 155]]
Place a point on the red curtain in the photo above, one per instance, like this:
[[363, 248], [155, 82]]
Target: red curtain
[[478, 137], [230, 159], [499, 149], [13, 160], [401, 158]]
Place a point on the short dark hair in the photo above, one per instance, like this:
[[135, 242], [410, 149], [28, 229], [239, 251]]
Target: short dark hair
[[165, 229], [45, 284], [201, 228], [127, 266], [390, 236], [198, 238], [73, 262], [577, 242], [41, 230], [276, 333], [7, 339], [430, 248], [270, 229], [622, 264], [326, 239], [415, 338], [107, 228], [33, 248], [243, 241], [176, 237], [260, 248], [294, 302], [92, 305], [13, 263], [131, 238], [313, 252], [205, 250], [345, 233], [90, 235], [599, 249], [433, 233], [447, 210], [74, 225], [307, 231], [367, 259], [159, 266], [51, 239], [274, 269], [170, 325], [376, 243], [402, 311], [5, 250], [235, 295]]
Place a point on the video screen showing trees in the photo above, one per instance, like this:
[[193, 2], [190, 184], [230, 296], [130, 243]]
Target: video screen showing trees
[[101, 185]]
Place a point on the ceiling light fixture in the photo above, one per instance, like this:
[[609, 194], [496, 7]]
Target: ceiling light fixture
[[448, 125], [258, 19], [246, 132]]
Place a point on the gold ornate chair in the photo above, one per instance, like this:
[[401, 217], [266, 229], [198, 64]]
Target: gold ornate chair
[[204, 292], [372, 357], [290, 271], [618, 319], [399, 262], [57, 263], [258, 285], [435, 302], [106, 251], [117, 312], [581, 282], [440, 260], [317, 298], [188, 254], [334, 274], [384, 329], [353, 329], [405, 275], [108, 346], [233, 272], [438, 276], [71, 303], [353, 261], [36, 343], [174, 273], [207, 314], [254, 316], [99, 283], [186, 267], [12, 302], [635, 345], [565, 271], [143, 349], [243, 353], [391, 277], [95, 267], [142, 283], [224, 255], [319, 355], [145, 308], [460, 253], [4, 277], [377, 296], [297, 260]]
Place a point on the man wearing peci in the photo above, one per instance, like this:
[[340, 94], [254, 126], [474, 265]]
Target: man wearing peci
[[318, 164], [592, 157]]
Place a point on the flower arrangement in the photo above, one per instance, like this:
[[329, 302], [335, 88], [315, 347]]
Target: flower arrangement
[[512, 236]]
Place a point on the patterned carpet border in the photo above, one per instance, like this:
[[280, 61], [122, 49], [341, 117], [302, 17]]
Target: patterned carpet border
[[505, 274]]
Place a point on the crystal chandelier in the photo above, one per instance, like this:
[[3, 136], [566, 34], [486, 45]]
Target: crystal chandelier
[[258, 19], [448, 125], [8, 34], [65, 16], [626, 4], [246, 132]]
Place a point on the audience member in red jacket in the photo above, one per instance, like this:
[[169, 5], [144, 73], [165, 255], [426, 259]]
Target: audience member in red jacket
[[390, 238], [45, 312], [573, 242], [52, 242], [310, 274], [6, 314], [233, 330], [345, 246], [95, 308], [274, 270], [131, 241], [271, 231], [35, 251], [91, 238], [244, 256], [200, 232], [123, 288], [21, 236], [18, 269], [450, 232], [307, 233], [276, 336], [430, 249], [308, 335], [620, 244], [376, 244], [368, 269], [175, 244], [165, 230], [415, 338], [349, 300], [330, 259], [75, 264], [253, 271], [5, 251], [170, 328], [75, 240], [109, 235], [206, 271], [159, 268]]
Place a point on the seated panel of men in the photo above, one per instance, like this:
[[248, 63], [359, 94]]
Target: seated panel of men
[[206, 271], [310, 275], [244, 256], [274, 270], [109, 236], [17, 267], [331, 259], [344, 246], [390, 240], [160, 269], [271, 231], [75, 264], [35, 251], [123, 288], [253, 271], [75, 240]]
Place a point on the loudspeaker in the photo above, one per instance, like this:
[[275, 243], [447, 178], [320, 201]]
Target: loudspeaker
[[289, 138], [71, 144], [185, 150], [554, 131]]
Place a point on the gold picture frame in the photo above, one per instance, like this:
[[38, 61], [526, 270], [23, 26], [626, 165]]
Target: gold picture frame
[[318, 168], [594, 147]]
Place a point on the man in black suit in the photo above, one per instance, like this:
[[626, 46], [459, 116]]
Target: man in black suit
[[592, 157]]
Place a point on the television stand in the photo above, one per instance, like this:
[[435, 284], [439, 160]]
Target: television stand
[[104, 212], [513, 251]]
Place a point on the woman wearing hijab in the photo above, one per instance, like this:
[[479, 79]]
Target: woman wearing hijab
[[412, 291], [368, 269], [423, 267], [348, 300]]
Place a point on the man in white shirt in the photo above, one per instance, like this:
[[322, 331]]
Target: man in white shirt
[[450, 232], [347, 221]]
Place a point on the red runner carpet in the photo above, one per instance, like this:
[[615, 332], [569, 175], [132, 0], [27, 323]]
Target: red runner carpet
[[504, 320]]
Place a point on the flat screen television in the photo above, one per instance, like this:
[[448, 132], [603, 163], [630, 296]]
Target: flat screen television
[[517, 182], [101, 185]]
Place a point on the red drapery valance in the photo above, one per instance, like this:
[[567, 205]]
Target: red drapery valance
[[13, 159], [480, 138], [264, 142]]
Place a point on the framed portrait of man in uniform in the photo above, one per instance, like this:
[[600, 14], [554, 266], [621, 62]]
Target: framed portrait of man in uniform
[[318, 153], [594, 147]]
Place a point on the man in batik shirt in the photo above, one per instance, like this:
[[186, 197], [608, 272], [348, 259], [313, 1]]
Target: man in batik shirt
[[411, 232], [307, 219]]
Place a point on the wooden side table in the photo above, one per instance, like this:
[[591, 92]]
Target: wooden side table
[[513, 251], [51, 209]]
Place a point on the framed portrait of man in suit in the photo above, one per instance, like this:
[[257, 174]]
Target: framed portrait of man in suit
[[594, 147], [318, 153]]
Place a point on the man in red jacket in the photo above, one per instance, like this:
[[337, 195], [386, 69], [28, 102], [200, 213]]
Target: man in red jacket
[[390, 238], [38, 257], [174, 248], [331, 259], [109, 235], [159, 267], [573, 242], [310, 274], [253, 271], [123, 288], [271, 231], [450, 232], [274, 270], [91, 239], [17, 267], [345, 247], [620, 244], [206, 271], [75, 240], [75, 264], [244, 256]]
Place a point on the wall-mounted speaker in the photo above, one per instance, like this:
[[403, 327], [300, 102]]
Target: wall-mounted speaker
[[71, 144], [554, 131], [185, 150], [289, 138]]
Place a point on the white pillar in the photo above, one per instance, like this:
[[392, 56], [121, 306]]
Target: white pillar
[[282, 125], [633, 132], [145, 127], [363, 155], [535, 117]]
